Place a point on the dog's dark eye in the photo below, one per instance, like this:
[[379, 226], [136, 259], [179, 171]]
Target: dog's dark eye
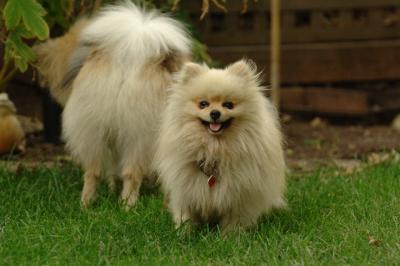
[[228, 105], [203, 104]]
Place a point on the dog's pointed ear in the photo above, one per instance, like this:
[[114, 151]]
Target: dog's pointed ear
[[190, 70], [244, 68]]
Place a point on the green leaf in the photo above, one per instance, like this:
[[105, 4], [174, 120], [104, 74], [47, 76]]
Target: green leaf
[[37, 26], [21, 64], [200, 53], [57, 14], [22, 49], [19, 51], [12, 14], [8, 54], [31, 13], [23, 32]]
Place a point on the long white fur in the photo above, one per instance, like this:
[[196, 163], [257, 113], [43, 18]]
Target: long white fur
[[111, 118], [250, 158], [129, 34]]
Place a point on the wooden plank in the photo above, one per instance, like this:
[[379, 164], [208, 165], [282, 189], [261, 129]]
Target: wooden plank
[[336, 4], [385, 100], [293, 99], [293, 36], [325, 101], [232, 29], [338, 101], [355, 61], [27, 98], [355, 33], [237, 5]]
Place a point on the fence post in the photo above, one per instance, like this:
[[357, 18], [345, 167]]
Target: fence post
[[275, 51]]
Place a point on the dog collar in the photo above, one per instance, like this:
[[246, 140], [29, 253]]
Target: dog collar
[[209, 170]]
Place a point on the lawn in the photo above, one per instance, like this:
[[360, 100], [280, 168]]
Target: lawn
[[335, 219]]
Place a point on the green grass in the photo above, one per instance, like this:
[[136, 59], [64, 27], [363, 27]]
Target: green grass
[[330, 220]]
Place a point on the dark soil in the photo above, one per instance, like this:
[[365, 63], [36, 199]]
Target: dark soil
[[304, 142], [342, 142], [38, 151]]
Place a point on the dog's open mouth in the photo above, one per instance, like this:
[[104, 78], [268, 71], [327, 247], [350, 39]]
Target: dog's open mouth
[[216, 127]]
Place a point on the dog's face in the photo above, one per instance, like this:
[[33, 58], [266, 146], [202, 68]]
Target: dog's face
[[219, 102], [216, 114]]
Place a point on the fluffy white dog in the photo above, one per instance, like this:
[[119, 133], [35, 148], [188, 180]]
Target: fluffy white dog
[[111, 72], [220, 153]]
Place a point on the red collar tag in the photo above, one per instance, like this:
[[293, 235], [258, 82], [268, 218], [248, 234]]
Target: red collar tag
[[211, 181]]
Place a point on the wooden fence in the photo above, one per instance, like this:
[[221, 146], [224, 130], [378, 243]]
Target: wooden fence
[[323, 42]]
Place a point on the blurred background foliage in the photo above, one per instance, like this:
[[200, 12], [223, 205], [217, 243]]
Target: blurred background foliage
[[25, 22]]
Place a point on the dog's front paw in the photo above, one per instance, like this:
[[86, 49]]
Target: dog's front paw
[[88, 196], [89, 187], [179, 220], [233, 225], [129, 201], [130, 191], [232, 230]]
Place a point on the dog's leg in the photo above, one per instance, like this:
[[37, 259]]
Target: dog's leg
[[110, 162], [180, 213], [228, 225], [130, 188], [91, 177], [180, 219], [112, 183], [235, 222]]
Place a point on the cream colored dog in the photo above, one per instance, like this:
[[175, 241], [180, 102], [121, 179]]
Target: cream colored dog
[[111, 72], [220, 155]]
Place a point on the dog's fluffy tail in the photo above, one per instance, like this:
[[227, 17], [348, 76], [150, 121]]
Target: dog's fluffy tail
[[127, 34], [130, 33], [52, 61]]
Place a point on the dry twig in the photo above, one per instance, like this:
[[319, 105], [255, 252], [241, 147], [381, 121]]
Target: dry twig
[[219, 5], [245, 6], [206, 7], [175, 5]]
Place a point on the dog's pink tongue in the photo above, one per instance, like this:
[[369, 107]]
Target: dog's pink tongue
[[215, 126]]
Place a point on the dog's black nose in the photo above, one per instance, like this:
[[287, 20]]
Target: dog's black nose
[[215, 114]]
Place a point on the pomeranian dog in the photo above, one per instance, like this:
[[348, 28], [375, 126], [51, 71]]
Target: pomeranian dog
[[112, 72], [220, 156]]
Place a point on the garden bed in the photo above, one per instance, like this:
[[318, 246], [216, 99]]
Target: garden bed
[[314, 143]]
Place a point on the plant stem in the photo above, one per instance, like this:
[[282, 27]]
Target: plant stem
[[6, 74]]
